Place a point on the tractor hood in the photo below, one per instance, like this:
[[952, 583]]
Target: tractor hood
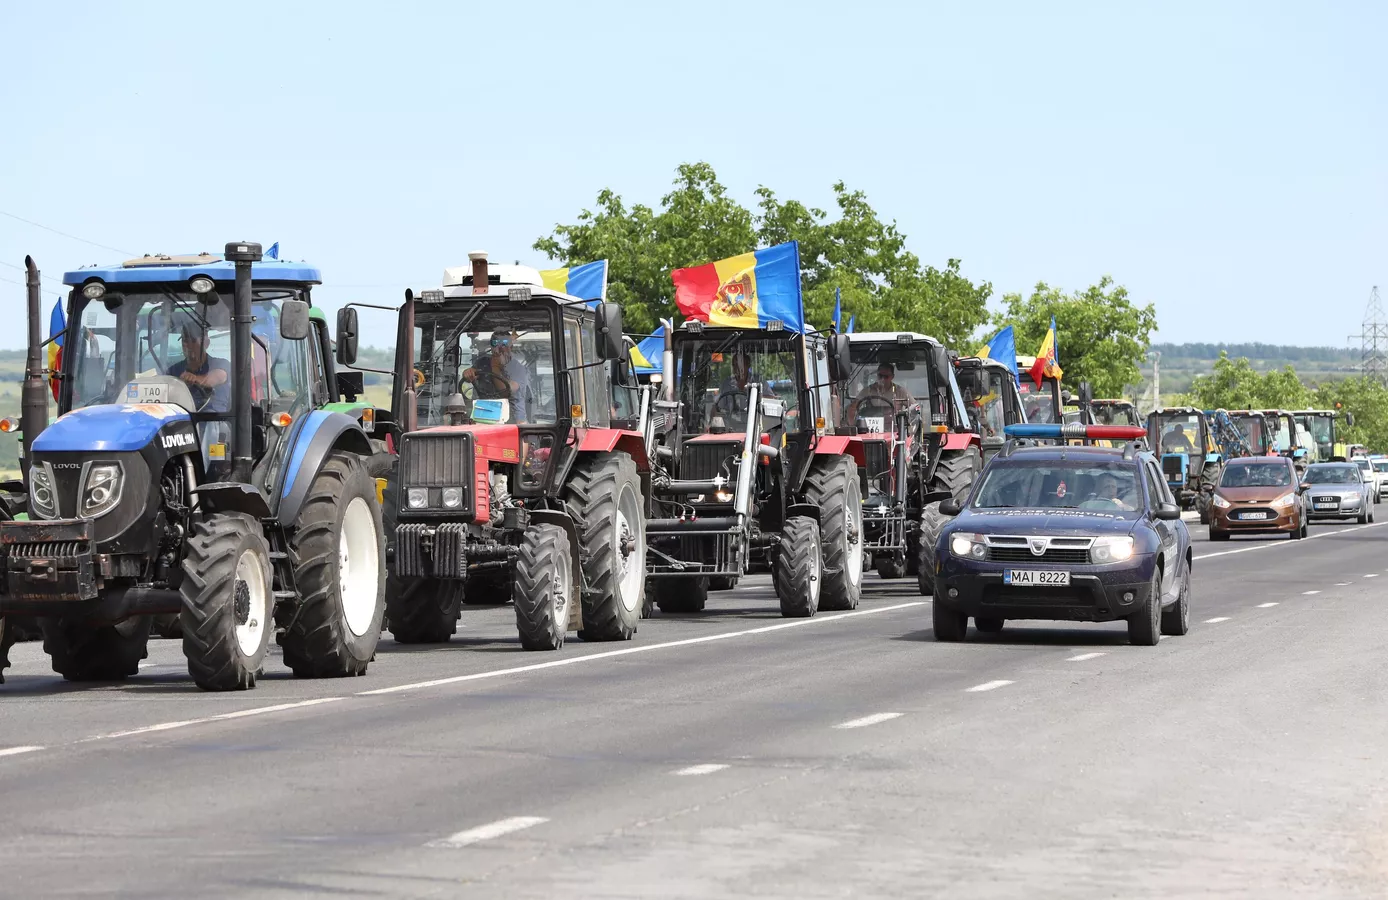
[[496, 442], [117, 428]]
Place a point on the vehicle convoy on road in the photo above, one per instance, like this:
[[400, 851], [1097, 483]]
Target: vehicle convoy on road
[[1258, 495], [522, 461], [192, 470], [1190, 458], [1087, 534], [902, 400], [1324, 428], [1338, 490]]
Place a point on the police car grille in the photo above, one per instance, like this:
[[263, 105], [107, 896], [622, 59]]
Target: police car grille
[[1070, 555]]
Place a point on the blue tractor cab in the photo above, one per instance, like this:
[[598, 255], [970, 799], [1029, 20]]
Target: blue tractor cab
[[193, 471]]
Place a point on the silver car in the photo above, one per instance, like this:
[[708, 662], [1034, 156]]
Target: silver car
[[1338, 491]]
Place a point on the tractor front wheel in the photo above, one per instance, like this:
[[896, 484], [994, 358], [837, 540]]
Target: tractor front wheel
[[832, 483], [7, 639], [798, 571], [954, 473], [228, 602], [81, 651], [543, 588], [423, 610], [604, 496]]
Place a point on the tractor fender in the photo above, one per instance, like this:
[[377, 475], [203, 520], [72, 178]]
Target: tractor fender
[[803, 510], [960, 440], [606, 440], [841, 445], [564, 521], [314, 437]]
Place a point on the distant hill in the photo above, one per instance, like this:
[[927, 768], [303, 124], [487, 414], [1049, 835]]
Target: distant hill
[[1180, 363]]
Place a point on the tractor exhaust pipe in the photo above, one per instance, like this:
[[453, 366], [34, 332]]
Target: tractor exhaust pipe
[[480, 282], [243, 254], [33, 407], [409, 403], [667, 361]]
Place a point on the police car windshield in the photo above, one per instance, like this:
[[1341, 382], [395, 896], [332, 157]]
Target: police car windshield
[[1060, 484]]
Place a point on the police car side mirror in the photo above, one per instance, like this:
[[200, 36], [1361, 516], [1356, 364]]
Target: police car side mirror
[[293, 320], [1168, 512], [950, 508]]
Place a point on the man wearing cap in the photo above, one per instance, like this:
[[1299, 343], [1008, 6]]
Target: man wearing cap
[[207, 377], [498, 375], [885, 391]]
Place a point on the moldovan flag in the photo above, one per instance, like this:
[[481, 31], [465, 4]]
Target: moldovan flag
[[1003, 348], [1047, 358], [57, 326], [586, 282], [746, 291]]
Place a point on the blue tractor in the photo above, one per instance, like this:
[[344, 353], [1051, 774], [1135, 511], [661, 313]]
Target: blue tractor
[[194, 471]]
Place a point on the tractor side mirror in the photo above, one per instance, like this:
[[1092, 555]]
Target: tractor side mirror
[[950, 507], [1349, 419], [839, 349], [1086, 393], [293, 320], [347, 336], [1066, 398], [611, 340]]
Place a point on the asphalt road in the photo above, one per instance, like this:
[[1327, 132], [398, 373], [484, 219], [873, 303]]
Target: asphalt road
[[737, 754]]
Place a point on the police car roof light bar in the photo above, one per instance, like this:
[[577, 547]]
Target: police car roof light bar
[[1076, 430]]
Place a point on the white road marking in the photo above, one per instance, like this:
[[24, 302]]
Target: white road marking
[[1277, 544], [988, 686], [873, 719], [609, 654], [1266, 605], [1371, 575], [15, 751], [1343, 583], [1084, 656], [481, 833], [239, 714], [1309, 593], [702, 769], [1216, 620]]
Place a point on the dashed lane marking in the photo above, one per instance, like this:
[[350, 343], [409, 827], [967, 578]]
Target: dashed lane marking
[[702, 769], [1309, 593], [16, 751], [496, 829], [988, 686], [865, 721], [1266, 605], [239, 714], [1216, 620], [1343, 583], [1084, 656], [1371, 575]]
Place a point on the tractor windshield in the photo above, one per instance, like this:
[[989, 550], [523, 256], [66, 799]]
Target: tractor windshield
[[155, 344], [985, 397], [485, 351], [1042, 404], [1115, 414], [1321, 430], [1254, 431], [883, 380], [716, 372], [1176, 432]]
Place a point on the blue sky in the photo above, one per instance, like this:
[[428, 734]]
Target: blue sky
[[1227, 162]]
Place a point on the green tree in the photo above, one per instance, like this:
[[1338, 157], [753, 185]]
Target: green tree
[[1367, 399], [1235, 384], [1101, 335]]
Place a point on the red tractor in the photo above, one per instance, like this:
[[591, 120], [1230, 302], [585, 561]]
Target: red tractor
[[522, 468]]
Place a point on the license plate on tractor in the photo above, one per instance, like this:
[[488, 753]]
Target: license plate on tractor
[[1035, 578]]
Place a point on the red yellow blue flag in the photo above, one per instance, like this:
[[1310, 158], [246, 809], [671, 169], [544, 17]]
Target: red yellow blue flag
[[57, 326], [1047, 358], [745, 291], [586, 282]]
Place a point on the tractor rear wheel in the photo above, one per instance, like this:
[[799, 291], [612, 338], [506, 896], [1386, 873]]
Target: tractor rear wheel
[[955, 473], [721, 582], [890, 566], [679, 595], [7, 639], [338, 552], [798, 569], [81, 651], [228, 602], [423, 610], [543, 587], [604, 496], [832, 483]]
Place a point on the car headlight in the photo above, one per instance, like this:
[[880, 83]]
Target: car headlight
[[417, 498], [1112, 549], [965, 545], [101, 493], [1221, 502], [1285, 500], [43, 500], [452, 497]]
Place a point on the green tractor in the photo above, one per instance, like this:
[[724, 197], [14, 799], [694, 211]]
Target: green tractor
[[1323, 425], [193, 470]]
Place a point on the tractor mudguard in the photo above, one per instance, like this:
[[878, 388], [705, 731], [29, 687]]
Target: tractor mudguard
[[221, 497], [605, 440], [314, 437], [555, 517], [961, 440], [803, 510], [841, 445]]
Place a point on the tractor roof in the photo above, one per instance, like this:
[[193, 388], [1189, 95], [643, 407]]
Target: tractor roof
[[1172, 410], [503, 292], [1114, 402], [159, 267], [888, 337], [497, 273]]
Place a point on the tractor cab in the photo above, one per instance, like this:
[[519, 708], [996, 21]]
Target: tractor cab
[[991, 398], [1285, 437], [1115, 412], [1043, 402], [1323, 427], [1182, 436], [1259, 430]]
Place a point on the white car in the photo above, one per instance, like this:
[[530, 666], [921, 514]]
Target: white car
[[1370, 477], [1380, 472]]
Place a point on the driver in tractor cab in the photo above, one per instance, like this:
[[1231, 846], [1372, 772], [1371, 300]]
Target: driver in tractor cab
[[1176, 441], [206, 376], [731, 401], [498, 375], [885, 390]]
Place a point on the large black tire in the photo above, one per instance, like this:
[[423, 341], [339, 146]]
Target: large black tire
[[832, 484], [487, 590], [603, 494], [722, 583], [341, 611], [679, 595], [955, 473], [1144, 626], [988, 624], [1175, 620], [423, 610], [798, 567], [83, 652], [168, 625], [949, 625], [1216, 535], [228, 602], [7, 639], [543, 588], [890, 566]]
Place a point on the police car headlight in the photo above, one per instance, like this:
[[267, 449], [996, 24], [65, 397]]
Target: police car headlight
[[1112, 549], [417, 498], [101, 493], [43, 501], [1220, 502], [965, 545]]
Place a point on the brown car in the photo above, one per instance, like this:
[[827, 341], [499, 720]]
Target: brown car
[[1258, 495]]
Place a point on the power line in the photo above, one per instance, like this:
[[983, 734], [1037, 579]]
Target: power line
[[22, 284], [65, 234]]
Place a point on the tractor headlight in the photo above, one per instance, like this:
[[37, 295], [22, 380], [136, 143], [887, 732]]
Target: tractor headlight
[[101, 493], [1112, 549], [966, 545], [93, 290], [452, 497], [43, 501], [1221, 502], [417, 498], [201, 285]]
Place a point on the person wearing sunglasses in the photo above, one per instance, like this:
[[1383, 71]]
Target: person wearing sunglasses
[[884, 393], [498, 375]]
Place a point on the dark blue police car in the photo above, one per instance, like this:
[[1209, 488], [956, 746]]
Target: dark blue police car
[[1083, 533]]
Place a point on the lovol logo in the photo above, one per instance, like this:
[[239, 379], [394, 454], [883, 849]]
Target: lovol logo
[[181, 439]]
